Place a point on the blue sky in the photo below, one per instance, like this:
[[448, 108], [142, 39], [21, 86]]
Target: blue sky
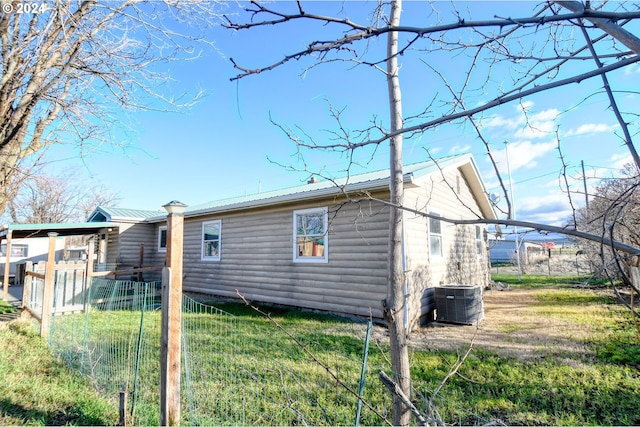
[[226, 146]]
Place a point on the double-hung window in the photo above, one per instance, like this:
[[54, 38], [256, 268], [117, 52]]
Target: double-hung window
[[162, 238], [435, 236], [479, 240], [310, 238], [211, 238]]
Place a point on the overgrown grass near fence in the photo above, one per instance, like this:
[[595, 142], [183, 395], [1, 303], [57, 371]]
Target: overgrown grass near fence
[[38, 389], [116, 343], [245, 370], [600, 389], [237, 368]]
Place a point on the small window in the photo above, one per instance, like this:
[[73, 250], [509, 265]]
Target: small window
[[310, 239], [19, 251], [479, 240], [211, 240], [162, 238], [435, 236]]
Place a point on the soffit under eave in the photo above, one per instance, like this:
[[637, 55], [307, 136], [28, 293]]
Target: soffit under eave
[[472, 176], [25, 231]]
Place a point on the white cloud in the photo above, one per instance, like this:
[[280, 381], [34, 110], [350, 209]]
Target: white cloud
[[616, 163], [538, 125], [590, 128], [456, 149], [524, 124], [501, 122], [552, 209], [632, 69], [619, 160], [526, 105], [523, 154]]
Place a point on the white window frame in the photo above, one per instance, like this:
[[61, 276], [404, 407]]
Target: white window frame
[[311, 259], [202, 252], [432, 235], [18, 250], [160, 230], [479, 241]]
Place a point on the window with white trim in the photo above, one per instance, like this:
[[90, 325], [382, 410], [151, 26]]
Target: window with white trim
[[479, 240], [310, 238], [162, 238], [435, 236], [211, 238], [17, 250]]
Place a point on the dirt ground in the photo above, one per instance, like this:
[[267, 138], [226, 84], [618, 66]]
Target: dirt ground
[[511, 328]]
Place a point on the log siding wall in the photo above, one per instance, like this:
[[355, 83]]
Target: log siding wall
[[256, 259], [124, 246], [448, 195], [256, 252]]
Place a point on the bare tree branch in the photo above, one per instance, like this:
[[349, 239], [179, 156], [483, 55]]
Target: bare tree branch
[[71, 73], [606, 24]]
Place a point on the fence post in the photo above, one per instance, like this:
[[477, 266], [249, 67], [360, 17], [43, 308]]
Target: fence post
[[47, 299], [172, 317], [88, 276], [26, 290], [122, 409], [7, 268], [140, 262]]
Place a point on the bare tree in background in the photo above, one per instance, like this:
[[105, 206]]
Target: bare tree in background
[[557, 44], [71, 70], [48, 199], [614, 211]]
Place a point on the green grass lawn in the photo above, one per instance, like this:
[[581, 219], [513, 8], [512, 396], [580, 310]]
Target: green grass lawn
[[6, 308], [538, 280], [36, 389], [600, 390]]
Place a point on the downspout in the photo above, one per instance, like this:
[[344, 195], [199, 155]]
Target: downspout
[[405, 285]]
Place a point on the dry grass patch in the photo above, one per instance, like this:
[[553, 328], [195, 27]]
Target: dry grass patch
[[521, 323]]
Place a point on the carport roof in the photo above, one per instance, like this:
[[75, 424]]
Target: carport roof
[[42, 230]]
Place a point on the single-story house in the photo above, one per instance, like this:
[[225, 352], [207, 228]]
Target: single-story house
[[313, 247]]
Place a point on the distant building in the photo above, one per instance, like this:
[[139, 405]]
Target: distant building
[[505, 251]]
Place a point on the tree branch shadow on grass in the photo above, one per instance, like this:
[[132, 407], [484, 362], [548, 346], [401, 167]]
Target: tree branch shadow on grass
[[15, 413]]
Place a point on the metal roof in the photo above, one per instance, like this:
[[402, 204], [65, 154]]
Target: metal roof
[[42, 230], [123, 215], [370, 181]]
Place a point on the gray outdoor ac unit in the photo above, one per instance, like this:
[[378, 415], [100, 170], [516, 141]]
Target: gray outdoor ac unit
[[459, 304]]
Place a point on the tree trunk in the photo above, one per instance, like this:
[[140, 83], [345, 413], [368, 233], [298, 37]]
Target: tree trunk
[[395, 303]]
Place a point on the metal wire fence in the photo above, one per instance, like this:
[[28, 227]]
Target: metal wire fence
[[116, 343], [246, 370], [237, 369]]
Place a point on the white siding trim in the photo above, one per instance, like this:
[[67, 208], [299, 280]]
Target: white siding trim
[[202, 253], [160, 230], [440, 235], [311, 259]]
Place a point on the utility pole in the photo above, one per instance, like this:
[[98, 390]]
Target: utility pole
[[584, 182], [512, 212]]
